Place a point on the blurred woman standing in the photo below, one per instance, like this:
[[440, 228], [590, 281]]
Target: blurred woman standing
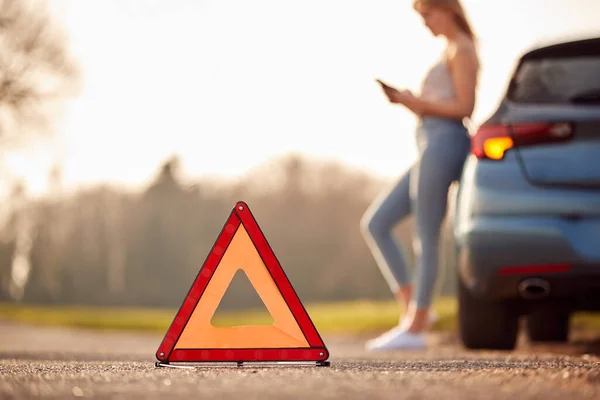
[[447, 98]]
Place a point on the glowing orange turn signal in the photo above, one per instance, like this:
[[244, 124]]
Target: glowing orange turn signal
[[494, 148]]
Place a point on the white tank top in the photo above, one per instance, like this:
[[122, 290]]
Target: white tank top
[[438, 84]]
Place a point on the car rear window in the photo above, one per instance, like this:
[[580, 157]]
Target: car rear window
[[555, 80]]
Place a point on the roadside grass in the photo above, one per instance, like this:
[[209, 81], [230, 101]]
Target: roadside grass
[[356, 317], [351, 318]]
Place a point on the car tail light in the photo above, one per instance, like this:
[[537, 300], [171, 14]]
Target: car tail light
[[492, 141]]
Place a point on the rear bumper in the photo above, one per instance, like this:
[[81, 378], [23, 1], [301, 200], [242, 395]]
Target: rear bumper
[[495, 254]]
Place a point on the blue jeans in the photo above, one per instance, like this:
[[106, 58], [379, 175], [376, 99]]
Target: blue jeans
[[443, 146]]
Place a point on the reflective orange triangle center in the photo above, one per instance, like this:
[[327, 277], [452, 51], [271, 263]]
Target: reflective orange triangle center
[[200, 333]]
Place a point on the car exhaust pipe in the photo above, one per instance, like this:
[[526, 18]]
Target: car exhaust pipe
[[534, 288]]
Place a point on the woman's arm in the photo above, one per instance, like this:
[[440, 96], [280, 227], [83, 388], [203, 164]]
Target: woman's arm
[[464, 67]]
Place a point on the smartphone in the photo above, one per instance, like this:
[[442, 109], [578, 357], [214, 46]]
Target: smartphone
[[384, 85]]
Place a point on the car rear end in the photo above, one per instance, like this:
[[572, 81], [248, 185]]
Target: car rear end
[[527, 219]]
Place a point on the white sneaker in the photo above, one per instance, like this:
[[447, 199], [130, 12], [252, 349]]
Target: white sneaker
[[396, 339]]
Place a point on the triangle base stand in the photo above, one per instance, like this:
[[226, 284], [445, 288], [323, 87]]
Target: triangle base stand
[[159, 364]]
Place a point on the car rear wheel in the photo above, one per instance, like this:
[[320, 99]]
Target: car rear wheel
[[548, 326], [486, 324]]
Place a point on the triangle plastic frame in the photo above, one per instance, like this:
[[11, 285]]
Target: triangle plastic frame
[[316, 352]]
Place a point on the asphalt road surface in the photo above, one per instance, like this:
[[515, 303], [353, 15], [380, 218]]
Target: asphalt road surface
[[58, 363]]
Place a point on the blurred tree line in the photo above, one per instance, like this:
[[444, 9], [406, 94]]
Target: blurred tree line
[[104, 246]]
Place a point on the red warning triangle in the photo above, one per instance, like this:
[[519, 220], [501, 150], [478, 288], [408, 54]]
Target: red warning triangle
[[292, 337]]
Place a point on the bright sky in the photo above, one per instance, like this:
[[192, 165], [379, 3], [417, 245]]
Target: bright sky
[[211, 80]]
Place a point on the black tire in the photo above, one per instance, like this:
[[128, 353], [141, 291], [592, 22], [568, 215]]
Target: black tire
[[548, 326], [486, 324]]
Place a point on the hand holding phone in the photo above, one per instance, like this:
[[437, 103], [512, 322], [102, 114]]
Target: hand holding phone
[[390, 92], [394, 95], [384, 85]]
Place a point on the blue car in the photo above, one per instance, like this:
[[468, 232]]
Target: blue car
[[526, 215]]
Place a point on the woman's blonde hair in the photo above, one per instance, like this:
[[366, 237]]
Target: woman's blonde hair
[[455, 7]]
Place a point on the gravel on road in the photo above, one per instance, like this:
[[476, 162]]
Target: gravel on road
[[53, 363]]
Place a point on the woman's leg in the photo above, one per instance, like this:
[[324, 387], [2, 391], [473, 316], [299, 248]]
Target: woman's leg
[[377, 225], [439, 166]]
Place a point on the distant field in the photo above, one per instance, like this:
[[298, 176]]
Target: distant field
[[331, 318]]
